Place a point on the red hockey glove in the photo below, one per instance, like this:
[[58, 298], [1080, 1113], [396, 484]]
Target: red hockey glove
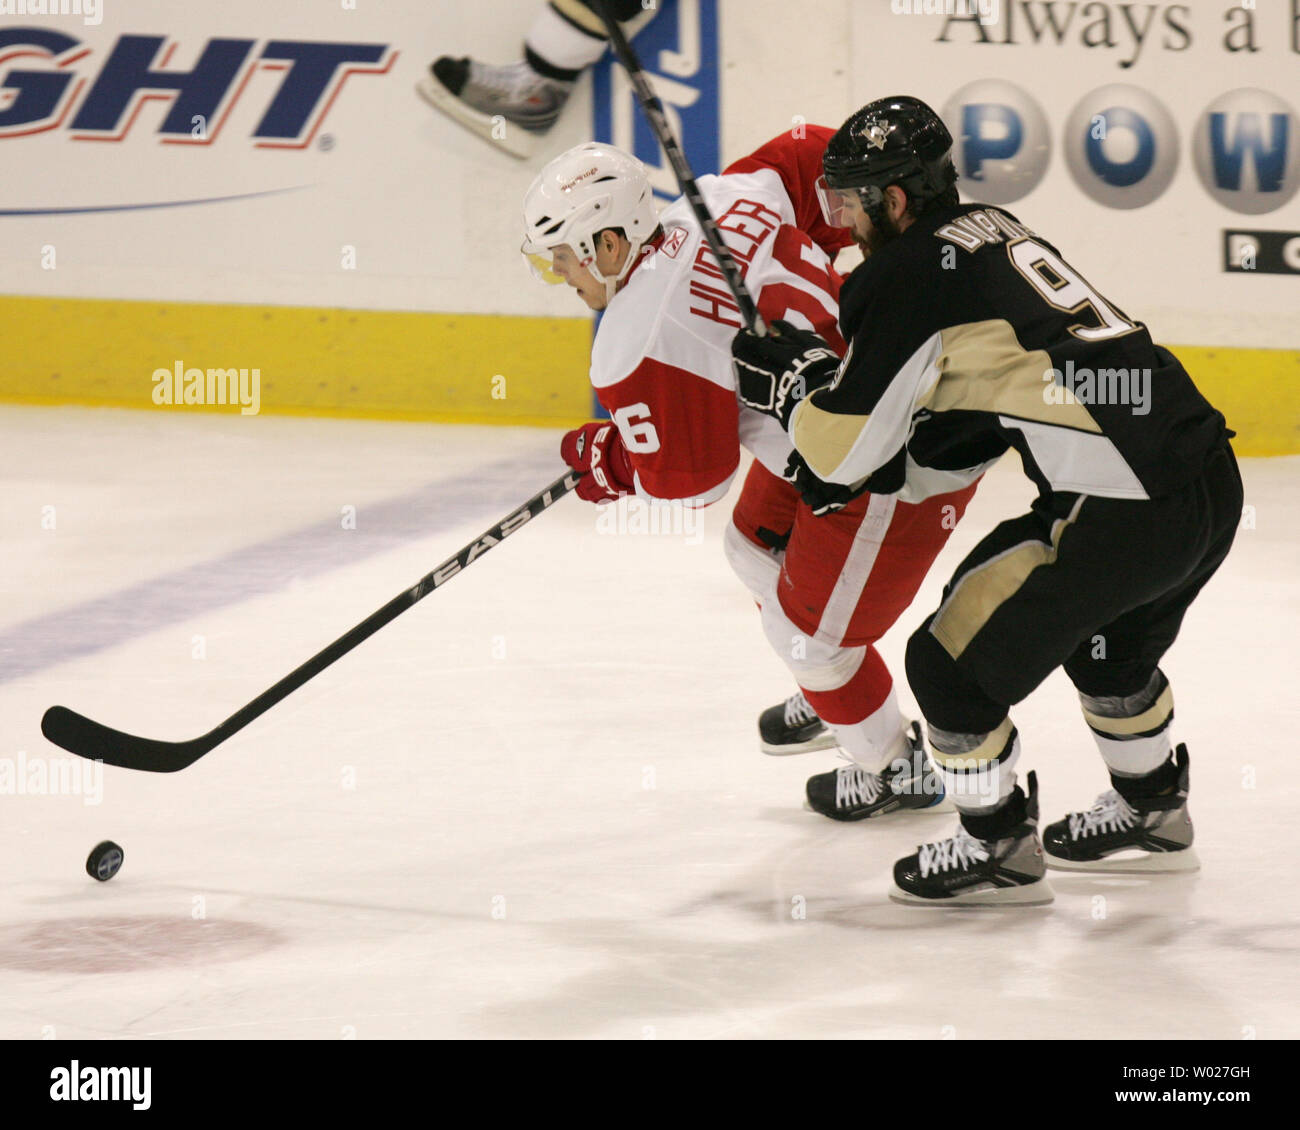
[[597, 449]]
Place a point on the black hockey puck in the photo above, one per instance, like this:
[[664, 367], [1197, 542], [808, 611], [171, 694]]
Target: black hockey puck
[[104, 861]]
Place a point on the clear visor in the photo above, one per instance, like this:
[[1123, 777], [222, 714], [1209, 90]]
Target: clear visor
[[553, 265], [837, 203], [542, 264]]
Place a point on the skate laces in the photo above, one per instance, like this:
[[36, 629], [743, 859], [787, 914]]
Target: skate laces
[[961, 851], [854, 785], [797, 710], [1110, 813]]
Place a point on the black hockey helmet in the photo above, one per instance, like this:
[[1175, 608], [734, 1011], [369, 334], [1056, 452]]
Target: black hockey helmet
[[897, 140]]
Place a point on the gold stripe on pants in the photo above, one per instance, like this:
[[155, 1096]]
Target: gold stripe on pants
[[983, 590], [1155, 716], [976, 759]]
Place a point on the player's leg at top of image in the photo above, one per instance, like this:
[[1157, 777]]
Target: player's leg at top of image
[[513, 106]]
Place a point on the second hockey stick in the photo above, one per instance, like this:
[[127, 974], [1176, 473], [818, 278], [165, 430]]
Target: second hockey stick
[[87, 738], [654, 112]]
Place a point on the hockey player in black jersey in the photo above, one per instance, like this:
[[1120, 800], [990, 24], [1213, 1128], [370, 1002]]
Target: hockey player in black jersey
[[970, 334]]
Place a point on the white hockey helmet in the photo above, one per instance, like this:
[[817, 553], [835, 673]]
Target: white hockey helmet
[[584, 191]]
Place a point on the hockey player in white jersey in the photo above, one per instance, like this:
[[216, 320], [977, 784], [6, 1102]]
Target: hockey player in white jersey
[[828, 585]]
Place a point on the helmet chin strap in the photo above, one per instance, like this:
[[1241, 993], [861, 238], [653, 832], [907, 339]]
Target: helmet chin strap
[[612, 282], [874, 205]]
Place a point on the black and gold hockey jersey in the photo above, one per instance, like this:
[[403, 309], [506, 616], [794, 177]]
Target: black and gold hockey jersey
[[970, 334]]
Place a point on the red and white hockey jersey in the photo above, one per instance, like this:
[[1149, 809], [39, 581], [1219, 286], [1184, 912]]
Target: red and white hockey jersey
[[661, 361]]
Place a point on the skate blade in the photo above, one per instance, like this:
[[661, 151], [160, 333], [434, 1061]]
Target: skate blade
[[945, 806], [825, 741], [1149, 863], [1030, 894], [515, 140]]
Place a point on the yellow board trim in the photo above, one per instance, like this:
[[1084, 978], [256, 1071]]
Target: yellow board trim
[[419, 366], [1258, 390], [313, 361]]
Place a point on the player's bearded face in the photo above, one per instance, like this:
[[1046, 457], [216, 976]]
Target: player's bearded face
[[849, 213], [869, 237], [875, 236]]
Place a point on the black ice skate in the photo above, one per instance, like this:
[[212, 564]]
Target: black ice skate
[[1118, 834], [792, 727], [509, 106], [1005, 870], [910, 784]]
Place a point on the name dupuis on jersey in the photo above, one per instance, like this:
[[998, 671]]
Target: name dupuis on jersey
[[982, 228], [973, 334], [103, 106]]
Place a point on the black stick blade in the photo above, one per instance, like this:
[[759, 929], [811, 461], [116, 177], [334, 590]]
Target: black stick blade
[[86, 738], [90, 739]]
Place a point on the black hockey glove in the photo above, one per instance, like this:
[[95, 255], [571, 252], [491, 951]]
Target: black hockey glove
[[818, 495], [775, 372]]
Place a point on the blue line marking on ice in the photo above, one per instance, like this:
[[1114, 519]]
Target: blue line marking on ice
[[115, 618]]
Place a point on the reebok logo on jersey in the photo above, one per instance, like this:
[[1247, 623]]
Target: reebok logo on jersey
[[673, 242]]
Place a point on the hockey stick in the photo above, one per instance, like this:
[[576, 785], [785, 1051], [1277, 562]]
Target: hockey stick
[[86, 738], [654, 112]]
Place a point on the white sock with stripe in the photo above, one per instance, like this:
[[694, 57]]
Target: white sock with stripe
[[978, 770], [1132, 731]]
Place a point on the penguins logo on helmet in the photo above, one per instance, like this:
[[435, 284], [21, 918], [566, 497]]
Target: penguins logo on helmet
[[876, 135], [893, 141]]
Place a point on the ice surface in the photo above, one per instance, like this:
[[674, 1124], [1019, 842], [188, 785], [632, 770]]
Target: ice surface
[[534, 804]]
